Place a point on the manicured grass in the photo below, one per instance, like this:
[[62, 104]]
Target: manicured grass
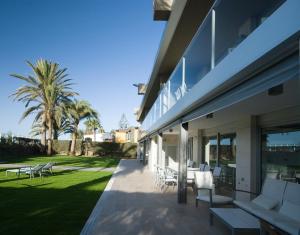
[[58, 204], [65, 160]]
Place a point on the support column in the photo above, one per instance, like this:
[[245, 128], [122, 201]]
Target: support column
[[200, 150], [182, 184], [159, 149], [255, 183], [218, 149], [144, 152]]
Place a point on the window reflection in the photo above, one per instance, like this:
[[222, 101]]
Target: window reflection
[[281, 153], [236, 20], [227, 158]]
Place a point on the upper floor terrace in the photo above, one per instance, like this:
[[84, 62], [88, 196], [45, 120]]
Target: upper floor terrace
[[236, 38]]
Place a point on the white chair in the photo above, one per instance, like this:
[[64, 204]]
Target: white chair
[[190, 163], [217, 174], [206, 168], [37, 170], [48, 167], [169, 178], [206, 190], [202, 166]]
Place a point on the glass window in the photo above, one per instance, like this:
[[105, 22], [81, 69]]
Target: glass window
[[281, 153], [227, 158], [190, 149], [198, 55], [210, 150], [228, 149], [176, 91], [236, 19]]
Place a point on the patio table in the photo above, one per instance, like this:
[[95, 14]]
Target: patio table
[[236, 219]]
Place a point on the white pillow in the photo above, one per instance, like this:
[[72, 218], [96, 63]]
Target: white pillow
[[265, 202], [290, 210]]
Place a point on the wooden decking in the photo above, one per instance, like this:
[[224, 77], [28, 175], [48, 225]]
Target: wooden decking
[[131, 204]]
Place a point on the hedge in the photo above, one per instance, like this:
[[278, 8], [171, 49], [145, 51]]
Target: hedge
[[64, 146], [33, 147], [20, 146]]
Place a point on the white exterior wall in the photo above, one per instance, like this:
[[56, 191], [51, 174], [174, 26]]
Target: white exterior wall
[[99, 137], [243, 158], [153, 155]]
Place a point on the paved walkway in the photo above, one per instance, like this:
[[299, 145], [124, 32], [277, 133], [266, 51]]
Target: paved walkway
[[131, 204], [63, 168]]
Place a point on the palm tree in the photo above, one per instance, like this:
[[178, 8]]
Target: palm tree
[[93, 124], [78, 111], [43, 94]]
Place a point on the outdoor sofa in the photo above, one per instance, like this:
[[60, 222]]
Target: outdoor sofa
[[278, 205]]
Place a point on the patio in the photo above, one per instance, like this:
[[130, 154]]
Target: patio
[[131, 204]]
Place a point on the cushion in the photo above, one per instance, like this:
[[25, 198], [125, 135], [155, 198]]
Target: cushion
[[256, 210], [273, 188], [292, 193], [290, 210], [265, 202]]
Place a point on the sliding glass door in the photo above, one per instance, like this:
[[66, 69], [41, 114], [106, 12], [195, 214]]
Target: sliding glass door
[[281, 153]]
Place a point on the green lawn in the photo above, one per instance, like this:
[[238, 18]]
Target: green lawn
[[65, 160], [58, 204]]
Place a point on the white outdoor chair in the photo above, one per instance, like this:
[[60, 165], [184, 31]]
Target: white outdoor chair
[[169, 178], [217, 174], [202, 166], [34, 171], [48, 167], [190, 163], [206, 190], [206, 168]]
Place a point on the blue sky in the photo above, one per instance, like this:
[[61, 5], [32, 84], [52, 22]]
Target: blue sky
[[106, 46]]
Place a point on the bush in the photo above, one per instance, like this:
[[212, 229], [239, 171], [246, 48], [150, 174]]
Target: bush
[[127, 150], [24, 146], [64, 146], [17, 148]]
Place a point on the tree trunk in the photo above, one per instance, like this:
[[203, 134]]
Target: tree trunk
[[73, 144], [44, 131], [95, 135], [50, 133], [74, 137]]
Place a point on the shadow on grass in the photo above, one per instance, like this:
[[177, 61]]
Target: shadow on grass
[[34, 208]]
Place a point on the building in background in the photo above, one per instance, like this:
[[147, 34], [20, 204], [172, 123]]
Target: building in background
[[100, 137], [128, 135]]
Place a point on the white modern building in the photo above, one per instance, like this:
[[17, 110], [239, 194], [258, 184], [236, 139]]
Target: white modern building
[[100, 137], [225, 90]]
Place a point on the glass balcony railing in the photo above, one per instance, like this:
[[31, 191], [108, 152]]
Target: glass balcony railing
[[224, 28]]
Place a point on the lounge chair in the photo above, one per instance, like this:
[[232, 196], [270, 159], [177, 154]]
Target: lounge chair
[[32, 171], [206, 190], [48, 167], [278, 204]]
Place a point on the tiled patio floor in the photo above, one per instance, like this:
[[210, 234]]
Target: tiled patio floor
[[132, 204]]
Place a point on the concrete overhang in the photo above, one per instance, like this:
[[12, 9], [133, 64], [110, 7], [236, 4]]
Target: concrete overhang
[[186, 17], [162, 9]]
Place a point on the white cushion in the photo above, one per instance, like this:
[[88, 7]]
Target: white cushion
[[265, 202], [290, 210]]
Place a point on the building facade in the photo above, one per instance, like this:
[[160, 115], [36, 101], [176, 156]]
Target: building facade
[[225, 90], [99, 137], [129, 135]]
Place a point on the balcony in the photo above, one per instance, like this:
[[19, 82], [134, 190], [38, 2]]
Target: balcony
[[225, 28]]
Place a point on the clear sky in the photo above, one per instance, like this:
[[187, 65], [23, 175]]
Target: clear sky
[[106, 46]]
